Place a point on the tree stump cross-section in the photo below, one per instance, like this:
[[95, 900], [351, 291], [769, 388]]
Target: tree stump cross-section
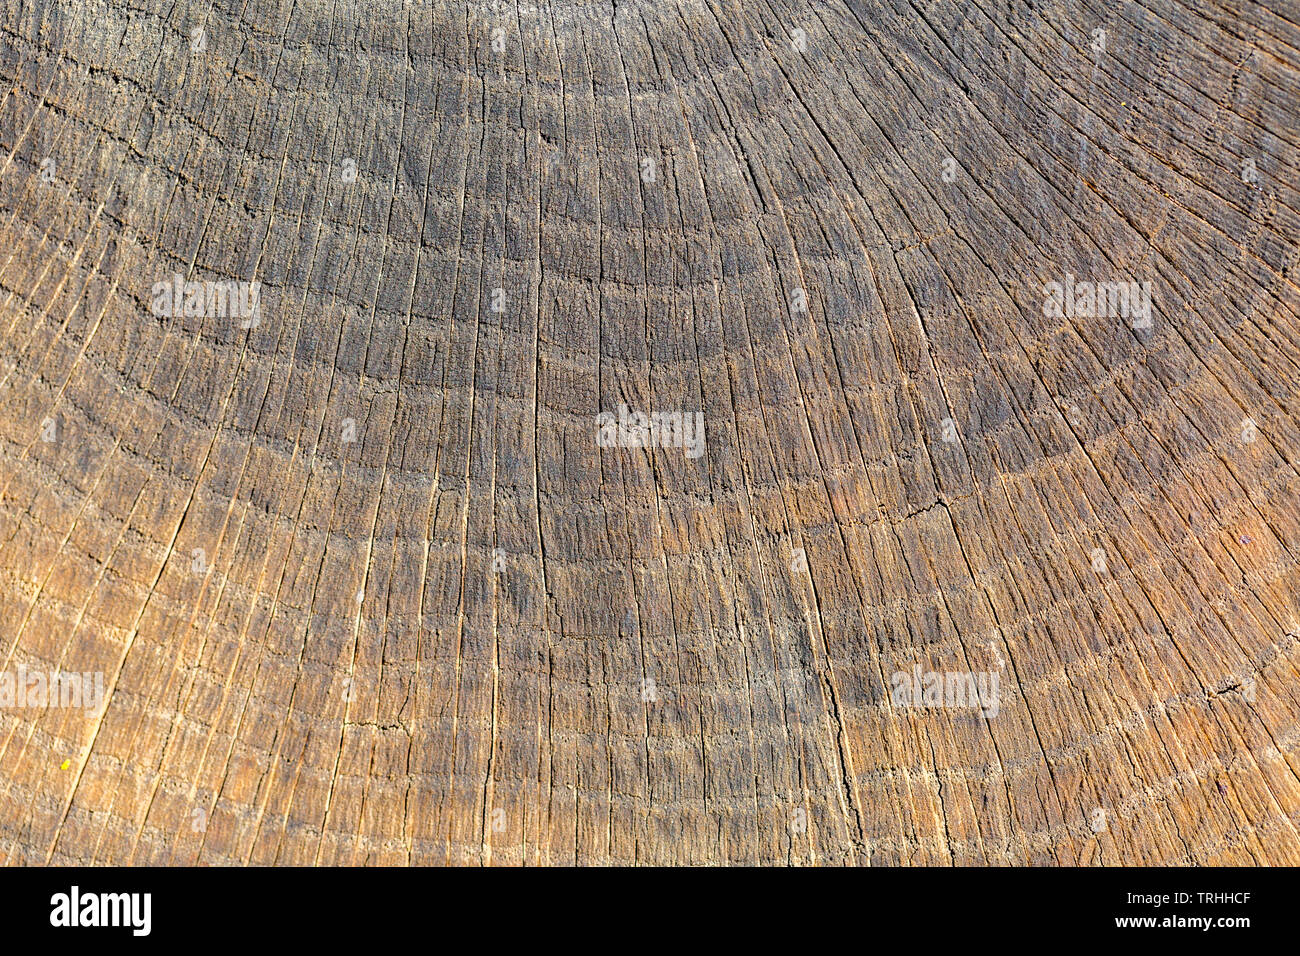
[[689, 432]]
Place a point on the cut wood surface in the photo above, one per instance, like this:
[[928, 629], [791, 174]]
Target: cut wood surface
[[967, 566]]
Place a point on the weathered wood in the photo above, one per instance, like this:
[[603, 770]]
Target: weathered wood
[[365, 584]]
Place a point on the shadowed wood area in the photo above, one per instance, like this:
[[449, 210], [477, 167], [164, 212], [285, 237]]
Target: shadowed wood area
[[985, 550]]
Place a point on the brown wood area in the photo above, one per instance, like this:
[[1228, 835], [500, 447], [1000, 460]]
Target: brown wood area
[[368, 578]]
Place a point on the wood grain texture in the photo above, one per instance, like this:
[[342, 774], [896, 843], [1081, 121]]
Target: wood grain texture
[[471, 634]]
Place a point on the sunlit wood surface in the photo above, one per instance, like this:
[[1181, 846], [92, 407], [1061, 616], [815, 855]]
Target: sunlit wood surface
[[364, 587]]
